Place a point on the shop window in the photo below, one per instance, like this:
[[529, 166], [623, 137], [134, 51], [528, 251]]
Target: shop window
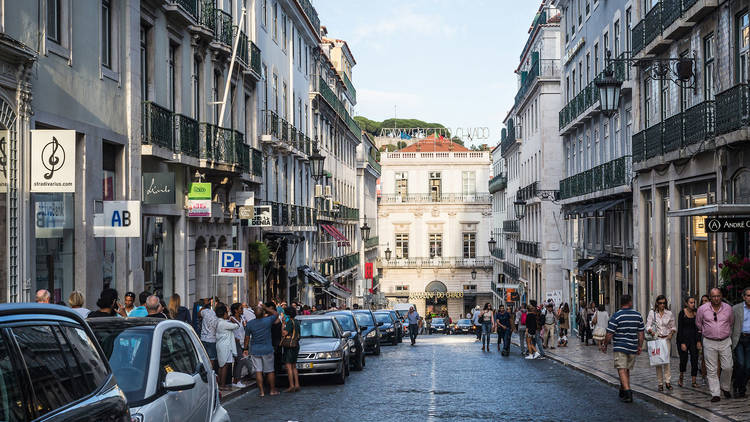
[[55, 240], [158, 255], [109, 182], [698, 248]]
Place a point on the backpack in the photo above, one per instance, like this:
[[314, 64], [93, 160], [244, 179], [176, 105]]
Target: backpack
[[523, 318]]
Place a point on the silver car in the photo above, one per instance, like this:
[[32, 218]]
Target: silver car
[[323, 347], [163, 369]]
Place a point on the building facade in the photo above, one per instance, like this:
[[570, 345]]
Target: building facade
[[497, 188], [434, 226]]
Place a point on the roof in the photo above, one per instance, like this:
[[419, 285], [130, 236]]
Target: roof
[[434, 143], [344, 46]]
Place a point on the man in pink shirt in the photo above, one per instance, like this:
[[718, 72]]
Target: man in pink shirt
[[714, 320]]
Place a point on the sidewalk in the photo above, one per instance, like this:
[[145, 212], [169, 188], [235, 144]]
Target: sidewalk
[[687, 401], [233, 392]]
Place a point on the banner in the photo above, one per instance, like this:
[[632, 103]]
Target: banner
[[158, 188], [726, 225], [4, 141], [199, 208], [262, 216], [119, 219], [199, 191], [368, 270], [53, 160]]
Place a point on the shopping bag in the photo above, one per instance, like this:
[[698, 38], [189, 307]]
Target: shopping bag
[[658, 352]]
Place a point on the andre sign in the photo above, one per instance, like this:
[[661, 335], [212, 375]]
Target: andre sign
[[231, 263]]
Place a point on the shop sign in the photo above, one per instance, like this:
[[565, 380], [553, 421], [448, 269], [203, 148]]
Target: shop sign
[[51, 219], [245, 198], [4, 138], [53, 160], [199, 208], [368, 270], [199, 191], [727, 224], [119, 219], [262, 216], [231, 263], [158, 188], [245, 213], [436, 295]]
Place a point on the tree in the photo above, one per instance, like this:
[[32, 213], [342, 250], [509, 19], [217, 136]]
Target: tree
[[401, 144]]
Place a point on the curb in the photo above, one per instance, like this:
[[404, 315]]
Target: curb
[[229, 395], [678, 407]]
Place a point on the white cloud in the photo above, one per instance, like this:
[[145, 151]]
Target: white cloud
[[405, 22]]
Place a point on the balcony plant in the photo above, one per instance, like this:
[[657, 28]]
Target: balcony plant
[[258, 253], [735, 276]]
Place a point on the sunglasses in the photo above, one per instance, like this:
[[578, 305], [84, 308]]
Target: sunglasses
[[661, 303]]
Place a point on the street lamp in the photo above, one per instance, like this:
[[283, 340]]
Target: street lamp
[[365, 230], [520, 207], [609, 89], [473, 273], [491, 243], [316, 164], [388, 254]]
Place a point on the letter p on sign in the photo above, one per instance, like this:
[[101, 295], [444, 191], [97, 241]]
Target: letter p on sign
[[232, 263]]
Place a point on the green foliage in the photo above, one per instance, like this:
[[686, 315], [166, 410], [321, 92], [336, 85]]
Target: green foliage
[[372, 127], [400, 144], [457, 140], [258, 253]]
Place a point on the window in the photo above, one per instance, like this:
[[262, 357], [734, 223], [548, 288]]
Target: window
[[197, 89], [646, 102], [284, 39], [470, 287], [12, 406], [743, 46], [470, 245], [265, 13], [616, 47], [402, 185], [469, 182], [605, 142], [285, 103], [144, 63], [617, 148], [588, 67], [276, 93], [106, 34], [177, 353], [402, 288], [605, 43], [708, 68], [436, 245], [54, 10], [628, 28], [402, 246], [171, 76], [276, 22], [588, 7], [573, 92], [435, 188], [217, 81], [665, 102]]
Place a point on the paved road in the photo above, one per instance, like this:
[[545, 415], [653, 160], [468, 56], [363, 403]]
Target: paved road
[[449, 378]]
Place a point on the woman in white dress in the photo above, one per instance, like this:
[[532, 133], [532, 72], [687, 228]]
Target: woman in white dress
[[226, 349], [600, 321]]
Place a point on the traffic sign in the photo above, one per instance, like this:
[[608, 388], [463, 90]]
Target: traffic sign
[[231, 263]]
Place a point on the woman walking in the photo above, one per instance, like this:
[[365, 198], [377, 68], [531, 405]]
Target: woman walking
[[531, 327], [290, 344], [688, 340], [240, 361], [487, 318], [600, 321], [76, 302], [175, 311], [660, 323], [226, 349], [563, 315]]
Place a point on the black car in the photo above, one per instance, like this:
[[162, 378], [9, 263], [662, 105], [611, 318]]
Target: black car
[[357, 343], [438, 325], [387, 324], [53, 369], [369, 329], [399, 324]]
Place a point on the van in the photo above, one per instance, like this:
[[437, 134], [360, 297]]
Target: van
[[403, 308]]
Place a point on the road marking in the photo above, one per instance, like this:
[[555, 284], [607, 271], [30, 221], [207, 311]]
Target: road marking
[[433, 374]]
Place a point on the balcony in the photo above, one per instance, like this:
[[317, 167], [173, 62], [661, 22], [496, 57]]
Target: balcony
[[732, 109], [279, 132], [255, 61], [498, 183], [372, 242], [333, 101], [243, 53], [350, 91], [189, 9], [157, 125], [433, 198], [667, 20], [447, 157], [604, 176], [290, 215], [528, 248], [539, 69], [257, 162], [510, 226], [437, 262], [312, 14], [511, 271], [374, 163], [337, 265], [588, 97], [508, 137], [498, 253], [337, 212], [528, 192], [188, 135]]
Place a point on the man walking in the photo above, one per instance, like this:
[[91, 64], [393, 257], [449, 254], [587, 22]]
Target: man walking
[[741, 343], [625, 331], [152, 307], [259, 330], [414, 320], [475, 320], [714, 320], [521, 328], [141, 310], [550, 320], [502, 319]]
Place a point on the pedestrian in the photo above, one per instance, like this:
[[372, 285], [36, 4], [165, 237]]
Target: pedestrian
[[153, 307], [521, 328], [247, 313], [225, 346], [236, 312], [531, 330], [584, 325], [563, 316], [208, 330], [276, 338], [714, 321], [258, 333], [625, 331], [599, 323], [76, 302], [475, 320], [414, 320], [550, 322], [108, 305], [175, 311], [42, 296], [539, 328], [487, 319], [704, 372], [660, 324], [503, 323], [140, 311], [129, 301], [290, 335], [688, 342], [741, 343]]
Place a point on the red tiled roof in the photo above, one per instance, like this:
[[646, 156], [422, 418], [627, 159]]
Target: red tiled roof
[[434, 143]]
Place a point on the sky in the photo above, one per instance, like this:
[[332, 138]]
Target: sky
[[442, 61]]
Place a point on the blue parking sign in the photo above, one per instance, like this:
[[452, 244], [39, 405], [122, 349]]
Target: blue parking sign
[[232, 263]]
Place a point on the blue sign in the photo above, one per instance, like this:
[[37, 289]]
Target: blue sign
[[232, 263]]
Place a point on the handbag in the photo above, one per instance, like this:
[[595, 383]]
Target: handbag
[[658, 352], [599, 333], [290, 341]]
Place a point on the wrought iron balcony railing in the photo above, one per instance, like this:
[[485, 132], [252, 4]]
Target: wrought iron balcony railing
[[438, 262], [498, 183], [190, 6], [527, 192], [339, 264], [732, 109], [510, 226], [188, 135], [157, 125], [604, 176], [511, 271], [372, 242], [498, 253], [426, 198], [528, 248]]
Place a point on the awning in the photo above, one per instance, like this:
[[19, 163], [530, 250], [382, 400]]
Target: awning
[[336, 234], [714, 209], [591, 210], [590, 264], [331, 233], [337, 290], [313, 276]]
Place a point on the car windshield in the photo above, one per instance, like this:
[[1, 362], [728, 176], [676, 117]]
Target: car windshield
[[364, 318], [437, 321], [128, 351], [346, 322], [383, 317], [316, 328], [464, 322]]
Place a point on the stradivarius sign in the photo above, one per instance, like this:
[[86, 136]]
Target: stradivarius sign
[[53, 160]]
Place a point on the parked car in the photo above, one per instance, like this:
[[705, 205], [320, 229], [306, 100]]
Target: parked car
[[163, 368], [369, 329], [438, 326], [387, 324], [356, 342], [53, 369], [464, 326], [398, 324], [323, 347]]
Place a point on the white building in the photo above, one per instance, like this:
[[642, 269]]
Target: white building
[[434, 226], [497, 188]]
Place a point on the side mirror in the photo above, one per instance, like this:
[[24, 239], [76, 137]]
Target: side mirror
[[380, 324], [178, 381], [346, 334]]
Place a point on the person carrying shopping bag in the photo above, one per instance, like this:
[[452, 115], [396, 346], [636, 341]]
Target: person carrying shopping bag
[[599, 323], [661, 326]]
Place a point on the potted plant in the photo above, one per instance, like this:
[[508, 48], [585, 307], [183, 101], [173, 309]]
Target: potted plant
[[735, 276]]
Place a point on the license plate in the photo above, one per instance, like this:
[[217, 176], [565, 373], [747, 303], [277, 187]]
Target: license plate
[[304, 366]]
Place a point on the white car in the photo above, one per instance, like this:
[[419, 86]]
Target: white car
[[162, 368]]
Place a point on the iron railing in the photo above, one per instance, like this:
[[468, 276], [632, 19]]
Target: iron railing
[[732, 109], [528, 248], [498, 183], [190, 6], [511, 270], [372, 242], [438, 262], [157, 125], [187, 140], [653, 24], [498, 253], [527, 192], [700, 121], [257, 162], [255, 61], [333, 266], [424, 198], [510, 226], [654, 140], [638, 38]]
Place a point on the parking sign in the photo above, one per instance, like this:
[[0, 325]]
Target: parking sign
[[232, 263]]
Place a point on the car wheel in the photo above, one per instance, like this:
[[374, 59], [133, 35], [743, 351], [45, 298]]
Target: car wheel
[[377, 350], [341, 376], [359, 363]]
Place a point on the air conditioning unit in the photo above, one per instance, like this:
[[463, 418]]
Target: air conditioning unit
[[328, 191], [318, 190]]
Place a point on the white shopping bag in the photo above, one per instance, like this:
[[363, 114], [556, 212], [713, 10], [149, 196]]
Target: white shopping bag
[[658, 352]]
